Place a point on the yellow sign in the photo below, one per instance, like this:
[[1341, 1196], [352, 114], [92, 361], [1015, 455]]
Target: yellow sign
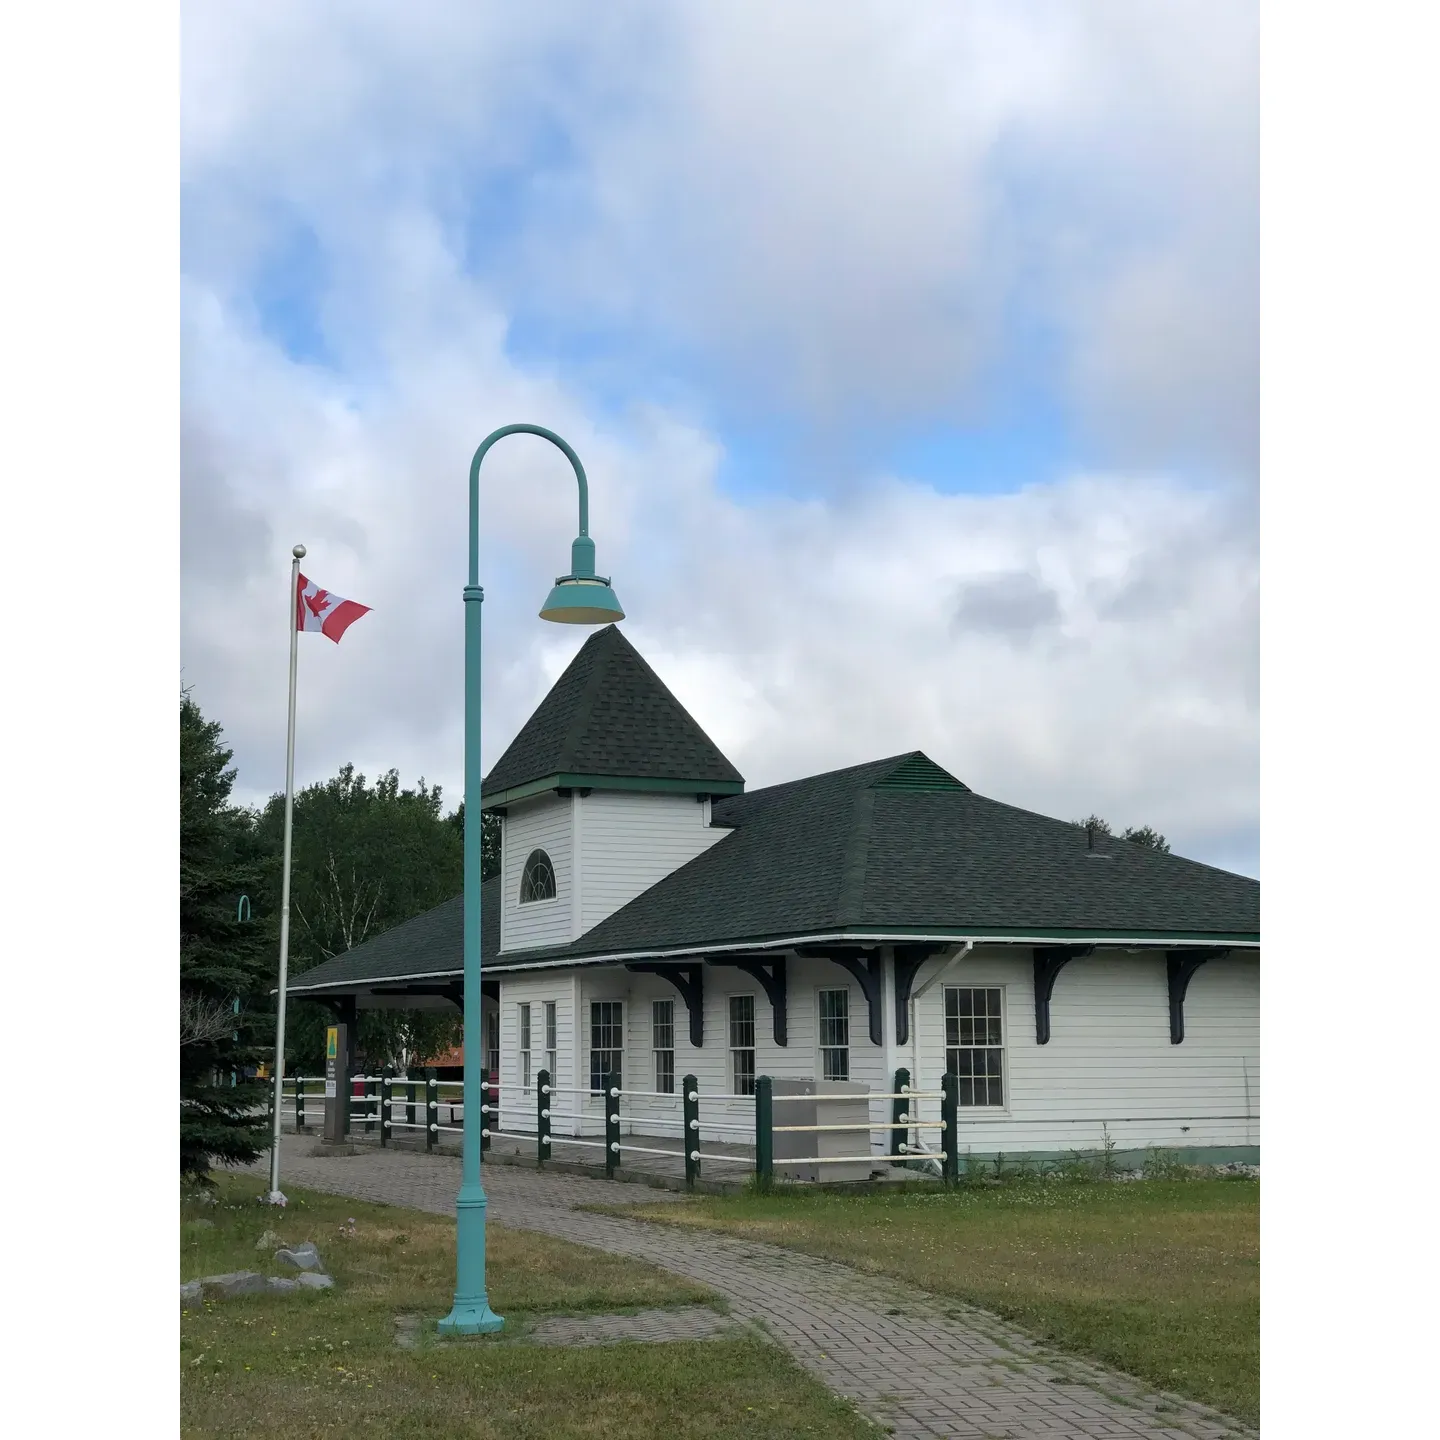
[[332, 1043]]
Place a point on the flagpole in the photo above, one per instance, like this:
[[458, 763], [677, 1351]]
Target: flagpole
[[275, 1197]]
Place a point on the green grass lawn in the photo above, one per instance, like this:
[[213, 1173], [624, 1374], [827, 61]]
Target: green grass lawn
[[325, 1363], [1157, 1278]]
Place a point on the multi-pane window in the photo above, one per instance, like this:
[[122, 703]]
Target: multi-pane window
[[975, 1045], [742, 1044], [492, 1044], [537, 882], [662, 1043], [835, 1034], [525, 1047], [550, 1039], [607, 1043]]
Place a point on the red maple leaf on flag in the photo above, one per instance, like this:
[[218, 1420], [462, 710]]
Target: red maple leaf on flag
[[316, 602]]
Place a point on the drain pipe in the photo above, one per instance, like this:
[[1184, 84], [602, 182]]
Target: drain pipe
[[954, 959], [926, 1158]]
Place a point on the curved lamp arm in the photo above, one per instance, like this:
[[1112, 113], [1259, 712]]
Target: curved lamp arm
[[580, 554]]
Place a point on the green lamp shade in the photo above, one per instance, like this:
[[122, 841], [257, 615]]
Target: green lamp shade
[[582, 602]]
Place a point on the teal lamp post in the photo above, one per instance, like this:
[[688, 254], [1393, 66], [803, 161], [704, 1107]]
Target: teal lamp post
[[579, 598]]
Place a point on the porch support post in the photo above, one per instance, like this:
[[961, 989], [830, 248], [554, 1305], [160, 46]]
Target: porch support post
[[689, 980], [771, 975], [1180, 968], [1049, 961]]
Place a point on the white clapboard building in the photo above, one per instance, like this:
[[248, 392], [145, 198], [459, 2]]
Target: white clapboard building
[[653, 919]]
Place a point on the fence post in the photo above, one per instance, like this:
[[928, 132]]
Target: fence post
[[432, 1108], [386, 1091], [487, 1108], [612, 1123], [542, 1116], [950, 1135], [900, 1113], [691, 1113], [764, 1131], [299, 1105]]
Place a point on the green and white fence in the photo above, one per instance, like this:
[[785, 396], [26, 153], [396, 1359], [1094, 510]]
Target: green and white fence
[[927, 1129]]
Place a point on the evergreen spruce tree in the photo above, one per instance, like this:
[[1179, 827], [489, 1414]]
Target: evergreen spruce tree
[[223, 959]]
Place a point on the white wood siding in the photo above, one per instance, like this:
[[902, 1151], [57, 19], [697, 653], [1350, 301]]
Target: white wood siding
[[543, 824], [1109, 1062], [518, 1106], [631, 841]]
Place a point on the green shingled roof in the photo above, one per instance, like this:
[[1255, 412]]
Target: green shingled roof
[[895, 847], [610, 717]]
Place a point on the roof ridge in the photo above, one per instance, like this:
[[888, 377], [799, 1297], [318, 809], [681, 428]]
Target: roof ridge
[[827, 774], [588, 691], [917, 771], [850, 900]]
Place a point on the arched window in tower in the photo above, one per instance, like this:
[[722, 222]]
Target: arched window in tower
[[538, 881]]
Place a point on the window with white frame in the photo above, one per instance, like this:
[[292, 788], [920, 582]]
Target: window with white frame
[[835, 1034], [742, 1044], [537, 880], [525, 1047], [492, 1044], [607, 1043], [662, 1044], [550, 1039], [975, 1044]]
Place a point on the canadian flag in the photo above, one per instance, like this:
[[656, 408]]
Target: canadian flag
[[322, 610]]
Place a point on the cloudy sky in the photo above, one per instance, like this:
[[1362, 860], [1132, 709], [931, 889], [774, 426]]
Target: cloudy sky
[[911, 351]]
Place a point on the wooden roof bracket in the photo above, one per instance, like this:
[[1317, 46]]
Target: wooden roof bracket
[[908, 960], [689, 980], [1180, 968], [770, 972], [867, 969], [1049, 961]]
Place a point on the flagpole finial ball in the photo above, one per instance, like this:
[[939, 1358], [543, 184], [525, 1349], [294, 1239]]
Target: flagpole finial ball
[[298, 552]]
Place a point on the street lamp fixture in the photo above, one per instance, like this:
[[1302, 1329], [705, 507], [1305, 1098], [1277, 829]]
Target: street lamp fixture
[[580, 598]]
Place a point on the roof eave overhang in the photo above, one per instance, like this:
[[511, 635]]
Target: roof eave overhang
[[568, 780], [1118, 939]]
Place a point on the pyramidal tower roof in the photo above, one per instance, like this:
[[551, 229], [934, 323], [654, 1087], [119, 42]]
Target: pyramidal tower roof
[[609, 722]]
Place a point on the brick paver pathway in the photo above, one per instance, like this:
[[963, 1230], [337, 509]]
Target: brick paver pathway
[[924, 1365], [684, 1322]]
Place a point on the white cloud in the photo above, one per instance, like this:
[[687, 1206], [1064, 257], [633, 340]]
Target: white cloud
[[844, 216], [832, 206], [803, 635]]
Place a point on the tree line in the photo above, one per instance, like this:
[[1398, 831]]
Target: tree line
[[365, 856]]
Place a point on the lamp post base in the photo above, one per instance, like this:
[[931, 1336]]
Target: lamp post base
[[472, 1318]]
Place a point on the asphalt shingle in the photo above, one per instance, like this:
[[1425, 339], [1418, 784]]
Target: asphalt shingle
[[610, 715], [895, 846]]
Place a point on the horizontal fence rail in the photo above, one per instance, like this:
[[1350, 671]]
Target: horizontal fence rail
[[387, 1106]]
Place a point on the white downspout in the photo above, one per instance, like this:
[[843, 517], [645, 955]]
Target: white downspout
[[947, 964]]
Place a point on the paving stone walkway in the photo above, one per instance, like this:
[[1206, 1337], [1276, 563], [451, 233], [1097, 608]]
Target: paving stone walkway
[[684, 1322], [918, 1363]]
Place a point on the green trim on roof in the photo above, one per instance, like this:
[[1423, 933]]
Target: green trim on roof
[[610, 782], [919, 772]]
